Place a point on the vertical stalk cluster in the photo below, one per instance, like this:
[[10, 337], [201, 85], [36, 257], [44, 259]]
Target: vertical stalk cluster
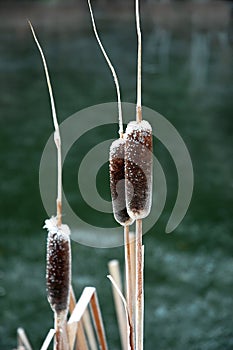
[[130, 161]]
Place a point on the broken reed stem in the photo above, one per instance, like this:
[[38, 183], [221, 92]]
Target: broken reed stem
[[89, 330], [48, 339], [98, 322], [85, 324], [81, 337], [139, 287], [111, 68], [57, 137], [129, 281], [23, 339]]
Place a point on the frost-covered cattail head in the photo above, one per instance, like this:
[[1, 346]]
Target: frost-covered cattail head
[[117, 182], [138, 169], [58, 269]]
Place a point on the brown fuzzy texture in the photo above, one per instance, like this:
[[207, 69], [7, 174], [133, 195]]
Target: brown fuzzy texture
[[138, 172], [117, 173], [58, 271]]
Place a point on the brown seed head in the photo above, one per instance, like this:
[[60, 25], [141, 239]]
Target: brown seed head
[[117, 182], [138, 169], [58, 269]]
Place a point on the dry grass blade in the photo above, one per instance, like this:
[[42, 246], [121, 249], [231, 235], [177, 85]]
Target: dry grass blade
[[128, 323], [114, 270]]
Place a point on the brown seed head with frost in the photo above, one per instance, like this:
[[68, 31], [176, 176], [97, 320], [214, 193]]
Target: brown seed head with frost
[[117, 182], [58, 269], [138, 169]]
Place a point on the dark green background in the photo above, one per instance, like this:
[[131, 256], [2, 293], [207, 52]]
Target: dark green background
[[187, 77]]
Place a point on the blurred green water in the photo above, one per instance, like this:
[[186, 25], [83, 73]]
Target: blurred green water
[[188, 275]]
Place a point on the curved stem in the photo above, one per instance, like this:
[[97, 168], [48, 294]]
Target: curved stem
[[112, 70], [57, 138]]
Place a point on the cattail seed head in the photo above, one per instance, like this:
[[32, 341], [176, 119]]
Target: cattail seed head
[[138, 169], [58, 269], [117, 182]]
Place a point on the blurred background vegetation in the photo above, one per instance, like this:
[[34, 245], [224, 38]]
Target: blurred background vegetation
[[187, 77]]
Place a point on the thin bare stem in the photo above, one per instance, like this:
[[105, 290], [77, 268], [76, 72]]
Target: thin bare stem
[[57, 340], [57, 138], [139, 65], [132, 239], [111, 68], [129, 281], [139, 287]]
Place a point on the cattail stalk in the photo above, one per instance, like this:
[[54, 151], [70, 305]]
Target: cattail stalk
[[58, 264], [138, 172], [139, 274], [117, 176]]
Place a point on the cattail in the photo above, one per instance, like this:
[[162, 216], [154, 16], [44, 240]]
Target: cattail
[[138, 169], [117, 182], [58, 268], [58, 263], [116, 156]]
